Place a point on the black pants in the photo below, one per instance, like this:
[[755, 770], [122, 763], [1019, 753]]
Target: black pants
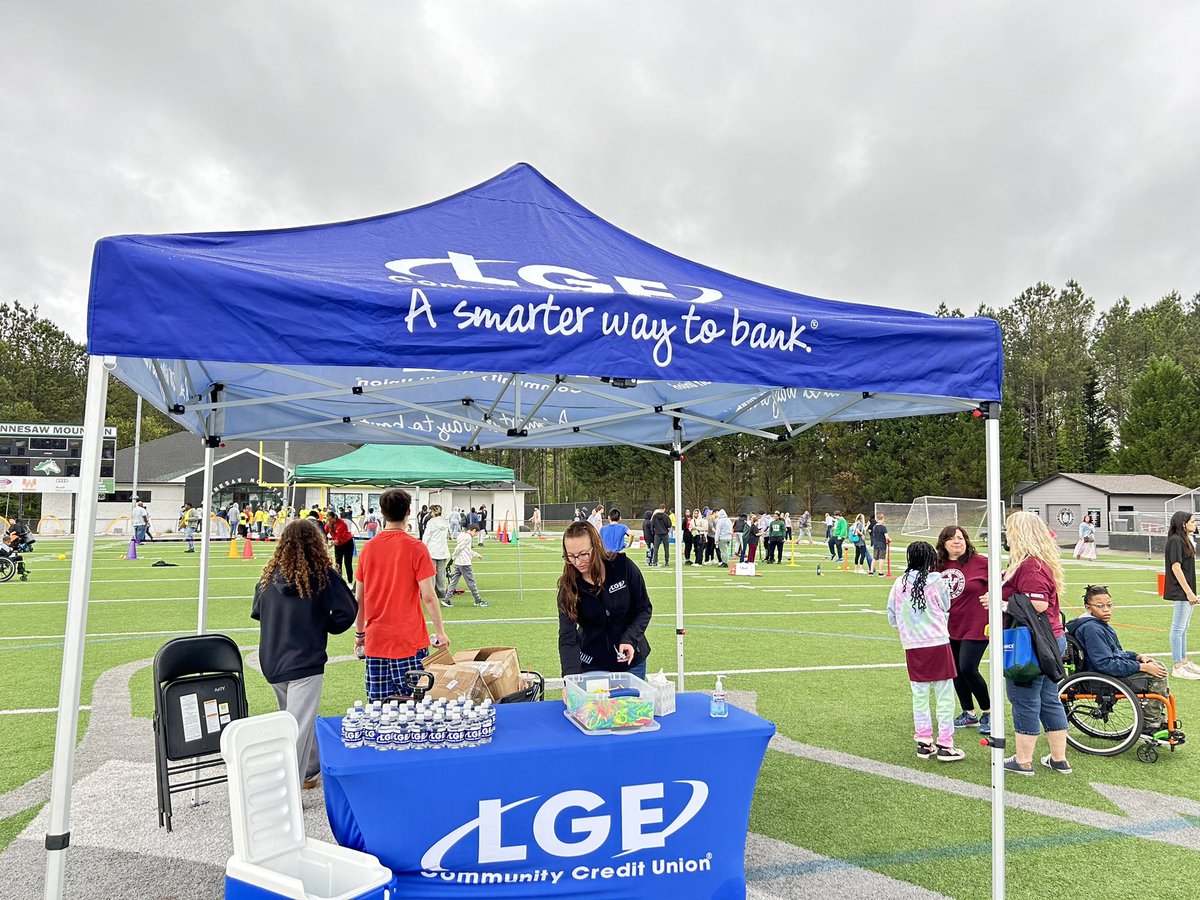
[[860, 553], [660, 540], [698, 549], [687, 544], [343, 555], [968, 682], [710, 549]]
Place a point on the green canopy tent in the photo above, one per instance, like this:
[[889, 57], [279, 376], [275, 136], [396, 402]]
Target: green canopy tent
[[382, 465]]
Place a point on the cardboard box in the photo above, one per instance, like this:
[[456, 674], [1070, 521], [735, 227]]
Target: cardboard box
[[453, 682], [499, 667]]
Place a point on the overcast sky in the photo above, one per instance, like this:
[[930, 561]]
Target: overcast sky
[[887, 152]]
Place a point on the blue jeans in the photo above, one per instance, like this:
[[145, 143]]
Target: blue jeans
[[1037, 701], [139, 533], [639, 670], [1179, 626]]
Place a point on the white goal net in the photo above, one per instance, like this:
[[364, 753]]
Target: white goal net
[[927, 516]]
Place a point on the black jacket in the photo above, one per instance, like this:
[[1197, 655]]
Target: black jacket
[[660, 524], [647, 533], [607, 617], [1045, 644], [293, 629]]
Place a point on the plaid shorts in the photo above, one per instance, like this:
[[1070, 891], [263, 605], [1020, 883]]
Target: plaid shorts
[[385, 677]]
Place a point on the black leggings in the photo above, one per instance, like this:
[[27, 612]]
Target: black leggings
[[860, 553], [343, 555], [968, 681]]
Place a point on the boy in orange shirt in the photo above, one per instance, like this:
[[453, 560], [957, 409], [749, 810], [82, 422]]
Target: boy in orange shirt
[[395, 578]]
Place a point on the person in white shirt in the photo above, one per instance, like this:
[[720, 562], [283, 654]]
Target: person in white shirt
[[463, 554], [141, 521]]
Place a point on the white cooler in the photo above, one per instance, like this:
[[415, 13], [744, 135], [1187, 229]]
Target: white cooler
[[272, 858]]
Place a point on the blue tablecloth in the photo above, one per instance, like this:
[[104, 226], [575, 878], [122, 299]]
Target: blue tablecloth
[[547, 811]]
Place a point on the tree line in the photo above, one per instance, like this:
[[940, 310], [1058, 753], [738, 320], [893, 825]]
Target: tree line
[[1115, 392]]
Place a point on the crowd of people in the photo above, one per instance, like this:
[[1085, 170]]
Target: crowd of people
[[409, 568]]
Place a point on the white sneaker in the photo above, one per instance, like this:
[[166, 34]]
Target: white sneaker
[[1192, 667], [1184, 671]]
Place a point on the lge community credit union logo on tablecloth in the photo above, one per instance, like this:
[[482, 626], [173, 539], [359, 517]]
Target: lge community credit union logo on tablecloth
[[637, 809]]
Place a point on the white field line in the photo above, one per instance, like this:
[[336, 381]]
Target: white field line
[[505, 621], [25, 712]]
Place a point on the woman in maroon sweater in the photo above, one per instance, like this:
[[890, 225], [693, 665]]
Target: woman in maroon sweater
[[965, 572]]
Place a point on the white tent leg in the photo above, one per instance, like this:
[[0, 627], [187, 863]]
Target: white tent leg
[[517, 539], [995, 630], [205, 541], [58, 833], [677, 443]]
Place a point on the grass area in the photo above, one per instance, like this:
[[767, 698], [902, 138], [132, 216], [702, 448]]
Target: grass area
[[789, 618]]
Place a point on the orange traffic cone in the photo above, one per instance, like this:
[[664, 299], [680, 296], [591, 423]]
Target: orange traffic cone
[[247, 550], [233, 550]]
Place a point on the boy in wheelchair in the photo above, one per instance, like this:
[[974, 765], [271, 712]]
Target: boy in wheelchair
[[1103, 653], [10, 550]]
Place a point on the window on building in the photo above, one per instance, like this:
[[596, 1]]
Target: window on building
[[127, 496]]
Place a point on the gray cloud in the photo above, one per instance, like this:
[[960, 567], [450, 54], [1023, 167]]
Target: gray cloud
[[898, 154]]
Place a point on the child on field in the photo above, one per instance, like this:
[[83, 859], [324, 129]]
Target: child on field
[[919, 607], [463, 554]]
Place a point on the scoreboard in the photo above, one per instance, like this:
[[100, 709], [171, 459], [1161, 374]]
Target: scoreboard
[[42, 458]]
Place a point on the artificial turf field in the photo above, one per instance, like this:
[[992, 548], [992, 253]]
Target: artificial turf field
[[815, 650]]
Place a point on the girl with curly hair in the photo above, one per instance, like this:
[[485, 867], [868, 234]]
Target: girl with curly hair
[[919, 607], [299, 601]]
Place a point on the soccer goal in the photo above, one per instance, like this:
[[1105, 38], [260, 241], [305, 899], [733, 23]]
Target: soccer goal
[[1189, 503], [929, 515]]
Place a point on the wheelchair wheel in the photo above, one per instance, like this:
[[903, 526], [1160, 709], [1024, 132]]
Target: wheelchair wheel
[[1147, 753], [1104, 716], [8, 569]]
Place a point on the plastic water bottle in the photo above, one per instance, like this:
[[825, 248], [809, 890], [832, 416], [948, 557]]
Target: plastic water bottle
[[437, 732], [402, 737], [352, 730], [371, 729], [454, 732], [489, 724], [717, 707], [818, 568], [418, 737]]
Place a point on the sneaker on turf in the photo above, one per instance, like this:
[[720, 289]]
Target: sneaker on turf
[[447, 603], [1058, 765], [1181, 670], [985, 724], [949, 754], [1011, 765], [966, 720], [925, 751], [1192, 667], [482, 603]]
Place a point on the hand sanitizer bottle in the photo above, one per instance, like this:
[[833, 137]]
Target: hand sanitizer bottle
[[716, 707]]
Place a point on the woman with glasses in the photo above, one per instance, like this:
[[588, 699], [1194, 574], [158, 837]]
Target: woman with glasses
[[603, 607]]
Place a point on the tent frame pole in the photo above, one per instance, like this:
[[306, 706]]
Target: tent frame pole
[[991, 411], [676, 444], [205, 539], [58, 835]]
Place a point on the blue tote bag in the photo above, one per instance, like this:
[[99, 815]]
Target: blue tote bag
[[1020, 659]]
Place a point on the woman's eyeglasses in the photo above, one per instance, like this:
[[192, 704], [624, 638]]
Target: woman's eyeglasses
[[581, 556]]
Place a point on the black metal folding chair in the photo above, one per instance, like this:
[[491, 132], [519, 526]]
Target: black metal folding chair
[[199, 688]]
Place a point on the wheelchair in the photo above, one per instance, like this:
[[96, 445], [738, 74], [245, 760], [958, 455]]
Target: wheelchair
[[11, 563], [1105, 715]]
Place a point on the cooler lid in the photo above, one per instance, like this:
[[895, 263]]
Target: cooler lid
[[264, 786]]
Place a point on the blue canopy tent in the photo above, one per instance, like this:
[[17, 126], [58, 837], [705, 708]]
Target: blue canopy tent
[[504, 316]]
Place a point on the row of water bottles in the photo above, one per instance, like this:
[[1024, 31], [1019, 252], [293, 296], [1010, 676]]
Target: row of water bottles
[[419, 725]]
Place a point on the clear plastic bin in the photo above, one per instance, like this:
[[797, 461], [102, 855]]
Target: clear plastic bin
[[600, 701]]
